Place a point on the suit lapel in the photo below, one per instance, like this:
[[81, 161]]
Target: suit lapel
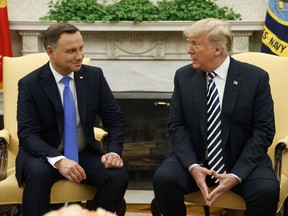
[[232, 86], [49, 85], [199, 93], [81, 89]]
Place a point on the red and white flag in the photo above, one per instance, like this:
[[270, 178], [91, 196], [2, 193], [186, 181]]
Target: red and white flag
[[5, 40]]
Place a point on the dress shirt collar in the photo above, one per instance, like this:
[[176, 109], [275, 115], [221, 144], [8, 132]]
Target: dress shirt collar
[[222, 70], [57, 75], [220, 79]]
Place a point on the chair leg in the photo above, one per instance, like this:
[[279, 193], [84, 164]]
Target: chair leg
[[206, 210], [154, 207], [13, 210], [224, 212]]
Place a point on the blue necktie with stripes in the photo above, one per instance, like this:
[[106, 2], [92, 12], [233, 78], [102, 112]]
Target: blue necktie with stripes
[[70, 130], [214, 138]]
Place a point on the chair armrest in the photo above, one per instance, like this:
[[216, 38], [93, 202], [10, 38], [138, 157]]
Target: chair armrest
[[279, 150], [4, 139], [100, 135], [4, 134]]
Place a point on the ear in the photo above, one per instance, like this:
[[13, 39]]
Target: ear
[[50, 51], [218, 51]]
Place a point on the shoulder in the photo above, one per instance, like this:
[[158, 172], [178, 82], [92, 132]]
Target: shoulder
[[185, 69], [35, 75], [92, 70], [247, 69]]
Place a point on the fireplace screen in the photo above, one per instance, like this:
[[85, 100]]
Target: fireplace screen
[[146, 140]]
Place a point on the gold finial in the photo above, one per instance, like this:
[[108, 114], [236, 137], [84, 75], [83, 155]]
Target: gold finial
[[3, 3], [281, 5]]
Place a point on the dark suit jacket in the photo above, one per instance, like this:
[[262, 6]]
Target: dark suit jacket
[[40, 113], [247, 117]]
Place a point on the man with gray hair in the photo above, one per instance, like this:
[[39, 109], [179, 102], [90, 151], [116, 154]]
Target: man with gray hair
[[221, 124]]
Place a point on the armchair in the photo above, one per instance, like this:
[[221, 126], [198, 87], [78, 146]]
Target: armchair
[[63, 191], [277, 68]]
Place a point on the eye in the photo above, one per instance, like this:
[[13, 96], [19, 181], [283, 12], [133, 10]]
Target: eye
[[70, 51], [196, 44]]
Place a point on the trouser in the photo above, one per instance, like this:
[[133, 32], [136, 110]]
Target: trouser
[[171, 181], [39, 176]]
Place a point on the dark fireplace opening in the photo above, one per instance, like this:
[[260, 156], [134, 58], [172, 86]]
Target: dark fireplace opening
[[146, 139]]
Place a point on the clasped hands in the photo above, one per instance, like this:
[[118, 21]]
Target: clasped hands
[[226, 182], [75, 173]]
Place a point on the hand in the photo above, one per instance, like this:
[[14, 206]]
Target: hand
[[226, 182], [70, 170], [112, 160], [199, 174]]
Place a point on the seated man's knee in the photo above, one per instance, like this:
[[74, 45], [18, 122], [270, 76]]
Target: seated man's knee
[[163, 177], [270, 190]]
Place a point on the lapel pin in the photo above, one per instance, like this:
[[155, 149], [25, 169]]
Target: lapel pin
[[81, 77], [235, 82]]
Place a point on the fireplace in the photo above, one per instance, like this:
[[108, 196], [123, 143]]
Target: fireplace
[[146, 139]]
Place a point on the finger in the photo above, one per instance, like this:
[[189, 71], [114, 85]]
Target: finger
[[103, 159], [216, 175], [80, 172], [212, 198], [115, 162], [73, 178], [119, 163], [79, 175]]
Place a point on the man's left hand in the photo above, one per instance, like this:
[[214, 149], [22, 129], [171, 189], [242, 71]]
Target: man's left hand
[[112, 160], [226, 182]]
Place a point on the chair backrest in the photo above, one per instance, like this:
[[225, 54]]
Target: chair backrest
[[277, 67], [14, 68]]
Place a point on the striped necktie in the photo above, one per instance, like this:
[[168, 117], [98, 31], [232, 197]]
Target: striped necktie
[[70, 130], [214, 138]]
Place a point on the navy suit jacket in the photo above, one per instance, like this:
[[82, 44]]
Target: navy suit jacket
[[40, 113], [247, 116]]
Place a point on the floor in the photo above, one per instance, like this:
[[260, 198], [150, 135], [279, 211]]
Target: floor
[[144, 210], [138, 204]]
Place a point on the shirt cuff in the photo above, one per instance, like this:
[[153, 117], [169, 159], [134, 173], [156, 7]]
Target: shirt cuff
[[53, 160], [239, 179], [114, 154], [191, 166]]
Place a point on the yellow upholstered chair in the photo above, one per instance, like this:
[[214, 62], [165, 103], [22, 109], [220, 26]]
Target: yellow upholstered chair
[[277, 67], [63, 191]]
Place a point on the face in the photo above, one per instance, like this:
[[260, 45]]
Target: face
[[67, 55], [201, 54]]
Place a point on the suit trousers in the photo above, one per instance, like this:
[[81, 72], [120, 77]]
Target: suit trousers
[[171, 181], [39, 177]]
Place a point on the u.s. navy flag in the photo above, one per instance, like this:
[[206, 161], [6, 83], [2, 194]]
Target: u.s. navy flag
[[5, 41], [275, 33]]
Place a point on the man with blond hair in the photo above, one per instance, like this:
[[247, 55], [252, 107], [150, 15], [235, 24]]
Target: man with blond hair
[[221, 124]]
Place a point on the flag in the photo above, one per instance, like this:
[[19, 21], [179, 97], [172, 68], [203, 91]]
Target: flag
[[5, 41], [275, 33]]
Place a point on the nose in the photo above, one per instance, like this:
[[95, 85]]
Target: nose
[[79, 55], [190, 49]]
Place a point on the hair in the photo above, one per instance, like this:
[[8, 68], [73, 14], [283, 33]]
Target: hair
[[217, 31], [53, 33]]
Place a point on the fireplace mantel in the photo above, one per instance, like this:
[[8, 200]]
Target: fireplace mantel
[[137, 58], [31, 31]]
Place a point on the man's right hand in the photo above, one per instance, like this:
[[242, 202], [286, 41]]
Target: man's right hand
[[199, 174], [70, 170]]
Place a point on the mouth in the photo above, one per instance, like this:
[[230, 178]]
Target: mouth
[[78, 64]]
